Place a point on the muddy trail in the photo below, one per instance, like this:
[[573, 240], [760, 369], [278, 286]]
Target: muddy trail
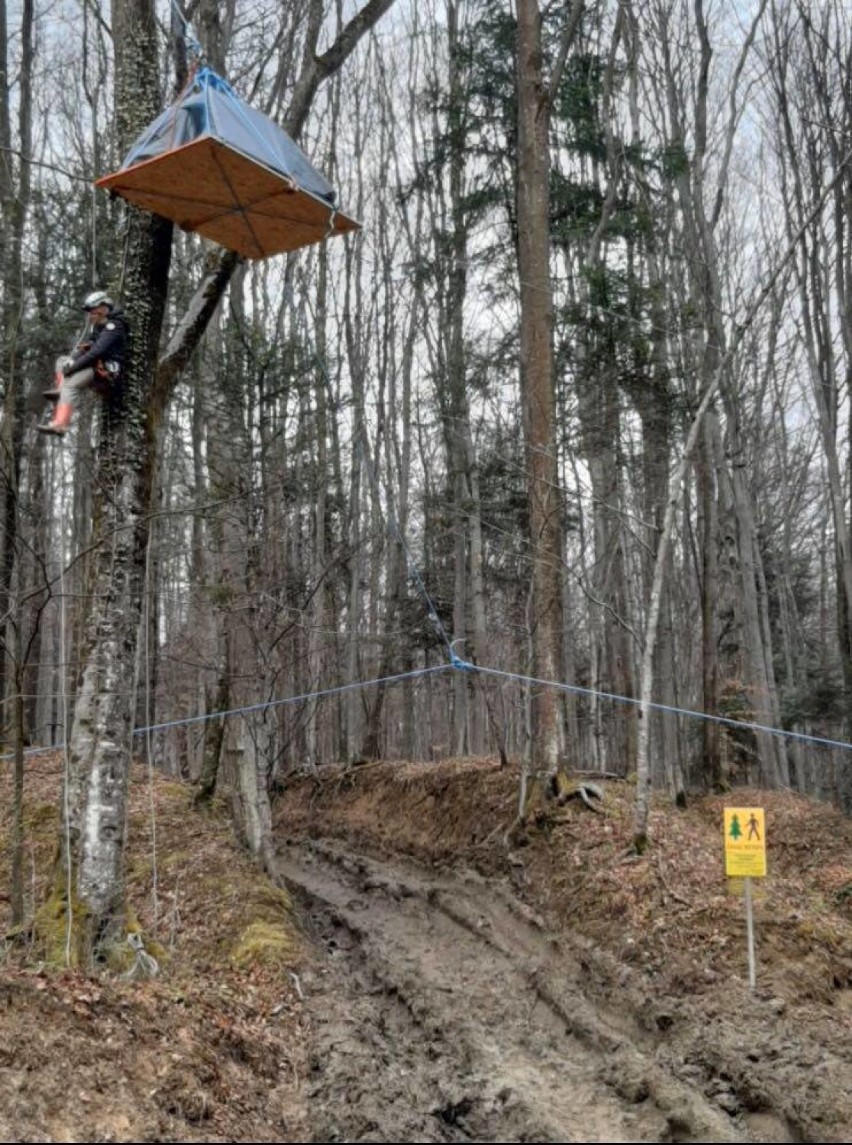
[[443, 1011], [431, 983]]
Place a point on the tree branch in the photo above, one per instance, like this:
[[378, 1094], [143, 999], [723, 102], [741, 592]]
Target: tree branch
[[565, 44], [221, 266], [202, 306], [318, 69]]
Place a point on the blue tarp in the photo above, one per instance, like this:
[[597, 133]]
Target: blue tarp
[[210, 106], [220, 169]]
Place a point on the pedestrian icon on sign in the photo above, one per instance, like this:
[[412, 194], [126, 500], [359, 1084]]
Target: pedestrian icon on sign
[[745, 842]]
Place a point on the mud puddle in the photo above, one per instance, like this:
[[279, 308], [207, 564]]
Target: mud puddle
[[441, 1011]]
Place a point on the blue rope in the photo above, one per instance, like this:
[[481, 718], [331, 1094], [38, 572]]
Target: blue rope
[[461, 665], [192, 44], [321, 694], [657, 707], [212, 79], [465, 666]]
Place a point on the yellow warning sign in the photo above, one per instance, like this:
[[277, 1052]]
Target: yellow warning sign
[[745, 842]]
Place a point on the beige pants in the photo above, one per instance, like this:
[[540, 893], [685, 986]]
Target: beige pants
[[72, 387]]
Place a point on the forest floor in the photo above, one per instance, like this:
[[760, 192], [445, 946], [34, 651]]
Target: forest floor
[[427, 981]]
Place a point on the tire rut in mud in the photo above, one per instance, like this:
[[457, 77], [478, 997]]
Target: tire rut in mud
[[442, 1013]]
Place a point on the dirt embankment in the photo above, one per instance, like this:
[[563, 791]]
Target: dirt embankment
[[563, 958], [213, 1048]]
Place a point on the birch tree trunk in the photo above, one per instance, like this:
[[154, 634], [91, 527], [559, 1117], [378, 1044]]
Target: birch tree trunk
[[100, 744]]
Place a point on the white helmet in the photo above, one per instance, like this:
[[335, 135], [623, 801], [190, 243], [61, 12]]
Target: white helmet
[[97, 298]]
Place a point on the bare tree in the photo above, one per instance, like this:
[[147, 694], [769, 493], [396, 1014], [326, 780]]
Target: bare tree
[[538, 400]]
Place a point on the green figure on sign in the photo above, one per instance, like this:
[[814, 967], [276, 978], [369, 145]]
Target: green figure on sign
[[736, 830]]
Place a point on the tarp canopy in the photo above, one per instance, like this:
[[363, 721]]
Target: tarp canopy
[[214, 165]]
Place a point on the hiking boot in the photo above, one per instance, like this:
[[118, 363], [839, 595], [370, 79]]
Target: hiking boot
[[61, 420]]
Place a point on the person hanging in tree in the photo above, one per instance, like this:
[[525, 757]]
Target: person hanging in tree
[[97, 364]]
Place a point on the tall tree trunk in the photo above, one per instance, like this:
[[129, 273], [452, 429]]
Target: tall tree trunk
[[17, 737], [359, 464], [538, 401], [711, 758], [757, 657], [14, 202], [100, 744]]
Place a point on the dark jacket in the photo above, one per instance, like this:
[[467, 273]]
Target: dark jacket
[[109, 347]]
